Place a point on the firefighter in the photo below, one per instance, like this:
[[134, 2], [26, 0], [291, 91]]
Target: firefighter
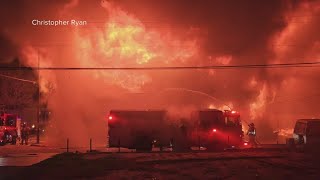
[[183, 130], [252, 135], [24, 134]]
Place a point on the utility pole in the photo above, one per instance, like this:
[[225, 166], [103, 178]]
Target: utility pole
[[278, 131], [38, 108]]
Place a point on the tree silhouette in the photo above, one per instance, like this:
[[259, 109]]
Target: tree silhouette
[[15, 94]]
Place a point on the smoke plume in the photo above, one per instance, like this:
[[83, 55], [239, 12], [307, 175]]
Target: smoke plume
[[124, 33]]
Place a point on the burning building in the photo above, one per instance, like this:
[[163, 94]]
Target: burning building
[[123, 37]]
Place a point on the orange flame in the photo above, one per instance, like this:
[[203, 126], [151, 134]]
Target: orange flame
[[257, 107], [125, 42]]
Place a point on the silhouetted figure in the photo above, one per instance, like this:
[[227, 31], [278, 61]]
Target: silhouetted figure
[[24, 134], [252, 135], [183, 130]]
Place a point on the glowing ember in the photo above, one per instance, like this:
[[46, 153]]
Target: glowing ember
[[211, 106]]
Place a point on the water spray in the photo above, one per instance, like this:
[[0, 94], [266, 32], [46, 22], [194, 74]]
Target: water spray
[[196, 92]]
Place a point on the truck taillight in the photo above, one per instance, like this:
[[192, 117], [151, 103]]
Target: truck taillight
[[246, 144], [214, 130], [110, 117]]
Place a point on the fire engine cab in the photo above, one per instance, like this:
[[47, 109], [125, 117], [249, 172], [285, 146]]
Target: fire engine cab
[[217, 130], [9, 128]]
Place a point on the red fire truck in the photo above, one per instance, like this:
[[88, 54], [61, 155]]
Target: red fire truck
[[217, 130], [139, 129], [9, 128]]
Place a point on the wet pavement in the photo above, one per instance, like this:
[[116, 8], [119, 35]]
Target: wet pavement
[[189, 165], [24, 159], [27, 155]]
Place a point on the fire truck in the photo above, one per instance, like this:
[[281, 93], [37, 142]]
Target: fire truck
[[9, 128], [141, 129], [138, 129], [217, 130]]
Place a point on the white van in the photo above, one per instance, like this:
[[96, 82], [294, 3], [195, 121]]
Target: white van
[[307, 132]]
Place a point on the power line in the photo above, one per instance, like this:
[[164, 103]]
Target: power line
[[18, 79], [246, 66], [53, 44]]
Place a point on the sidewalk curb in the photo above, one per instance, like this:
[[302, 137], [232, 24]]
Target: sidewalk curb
[[38, 145]]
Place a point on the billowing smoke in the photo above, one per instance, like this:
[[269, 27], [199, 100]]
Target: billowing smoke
[[175, 33]]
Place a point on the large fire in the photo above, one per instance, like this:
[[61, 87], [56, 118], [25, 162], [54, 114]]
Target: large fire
[[114, 38], [125, 42], [122, 41]]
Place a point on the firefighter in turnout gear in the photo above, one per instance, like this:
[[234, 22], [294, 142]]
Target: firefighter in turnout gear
[[24, 134], [252, 135]]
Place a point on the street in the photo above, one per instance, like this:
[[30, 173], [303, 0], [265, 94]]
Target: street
[[166, 165], [25, 155]]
